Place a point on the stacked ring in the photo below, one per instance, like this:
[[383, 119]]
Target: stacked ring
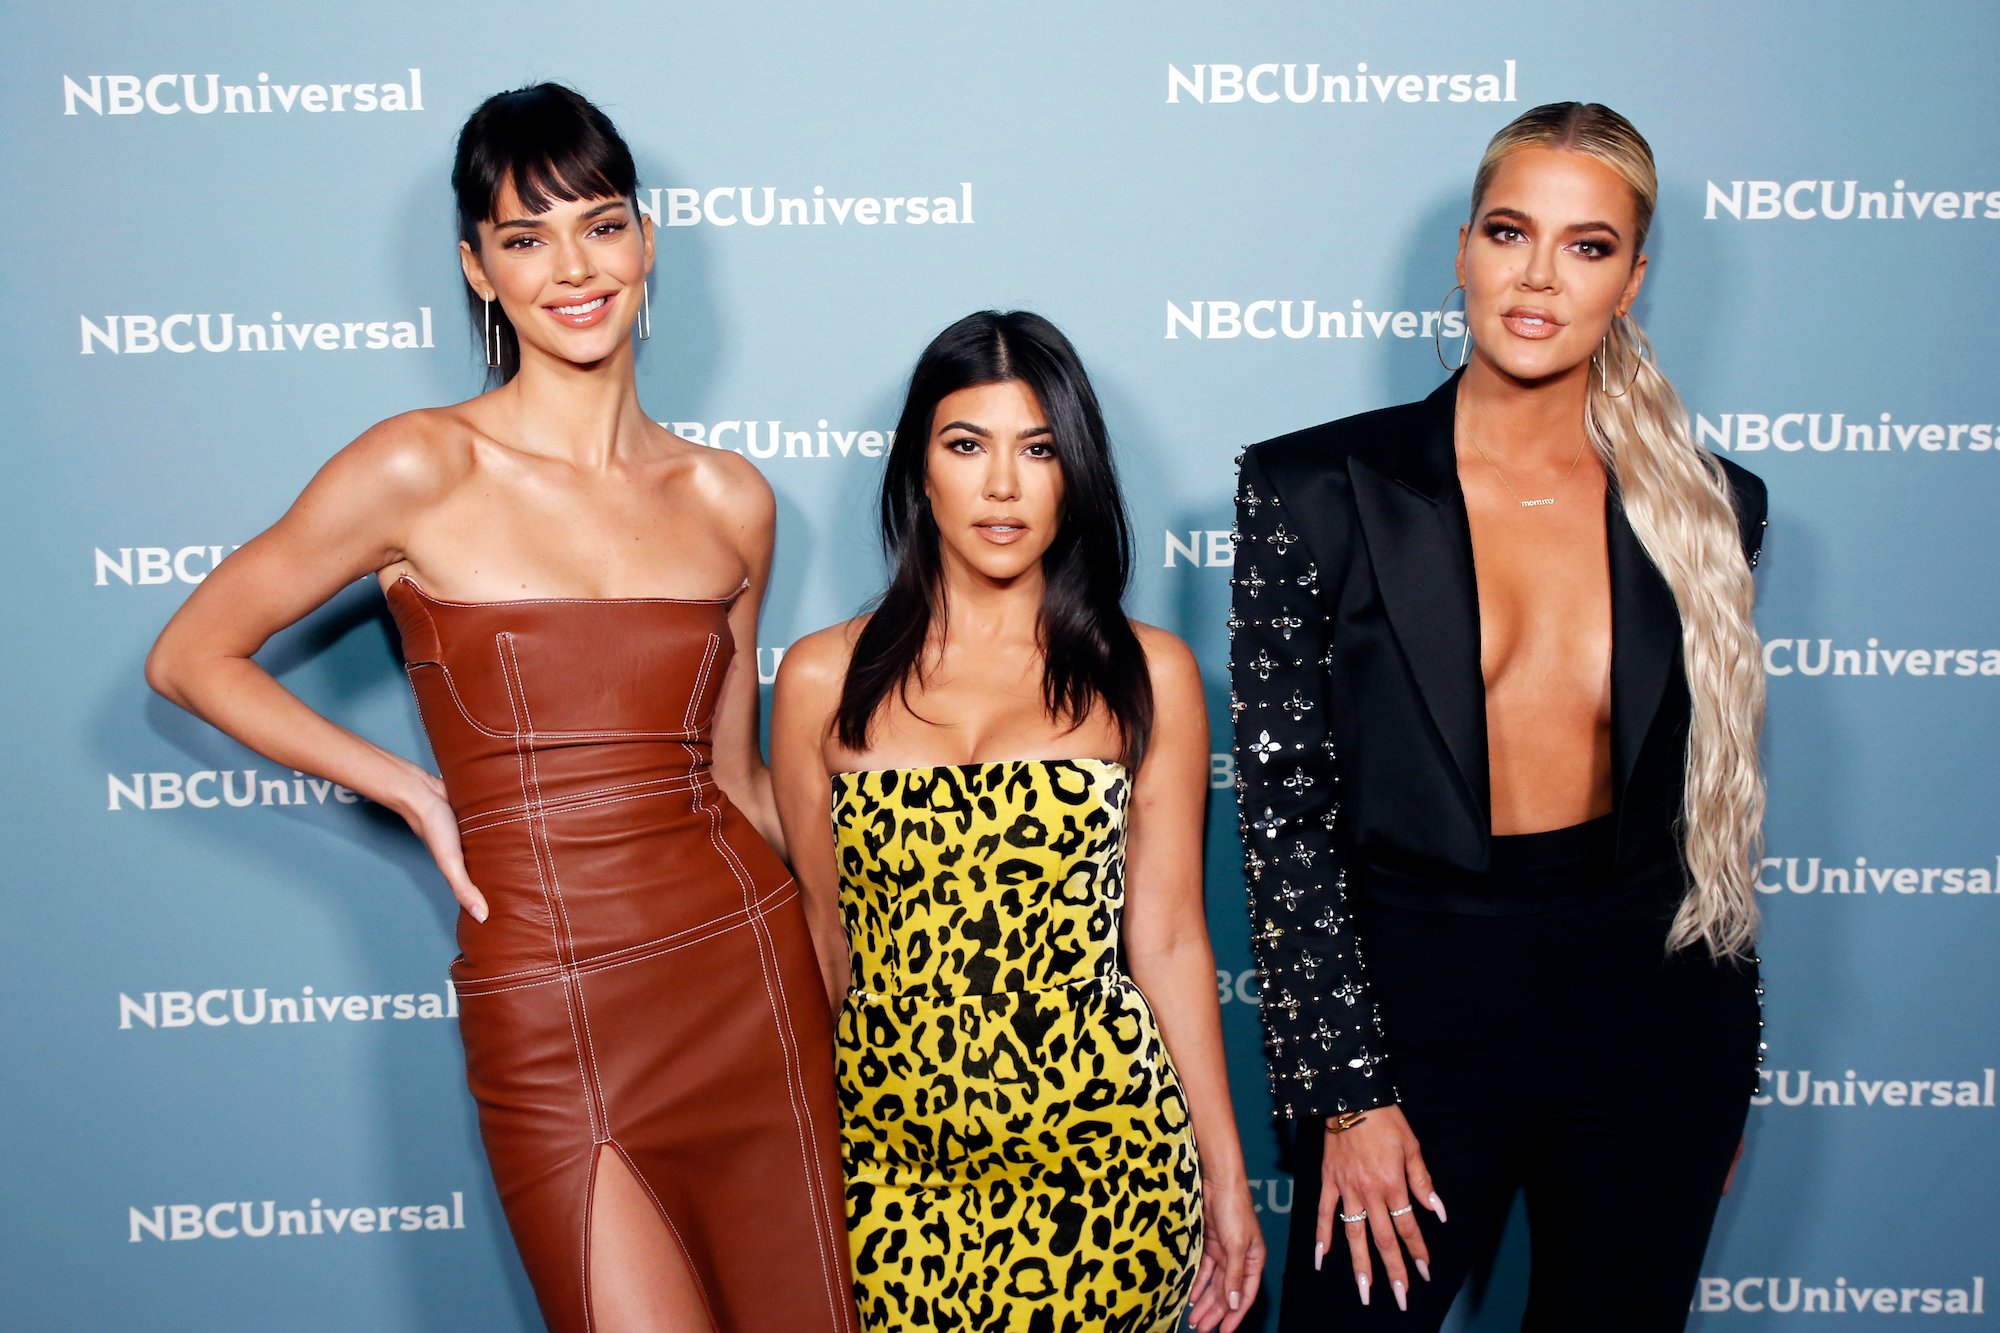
[[1351, 1219], [1404, 1211]]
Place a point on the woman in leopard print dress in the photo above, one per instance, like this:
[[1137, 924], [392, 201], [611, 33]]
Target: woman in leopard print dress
[[1037, 1131]]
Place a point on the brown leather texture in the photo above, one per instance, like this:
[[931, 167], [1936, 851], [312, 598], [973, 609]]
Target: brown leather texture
[[644, 982]]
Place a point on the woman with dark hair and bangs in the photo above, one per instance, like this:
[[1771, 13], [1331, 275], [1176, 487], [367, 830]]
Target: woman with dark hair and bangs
[[1036, 1123], [577, 593]]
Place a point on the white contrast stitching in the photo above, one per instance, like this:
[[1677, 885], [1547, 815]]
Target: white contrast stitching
[[788, 1057], [513, 665], [562, 805], [534, 850], [574, 796], [724, 600], [605, 962], [815, 1184], [456, 702], [700, 681]]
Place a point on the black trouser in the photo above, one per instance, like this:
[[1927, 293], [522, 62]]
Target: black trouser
[[1542, 1039]]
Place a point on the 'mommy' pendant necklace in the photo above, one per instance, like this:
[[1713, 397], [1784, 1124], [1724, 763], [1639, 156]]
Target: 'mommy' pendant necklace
[[1548, 499]]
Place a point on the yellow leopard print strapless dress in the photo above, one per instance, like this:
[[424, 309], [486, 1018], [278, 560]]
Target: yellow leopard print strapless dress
[[1017, 1147]]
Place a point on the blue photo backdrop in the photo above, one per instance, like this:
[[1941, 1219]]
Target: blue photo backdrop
[[234, 1098]]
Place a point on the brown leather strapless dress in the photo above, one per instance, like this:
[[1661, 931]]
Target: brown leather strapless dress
[[644, 983]]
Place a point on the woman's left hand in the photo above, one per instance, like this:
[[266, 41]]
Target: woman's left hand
[[1232, 1260]]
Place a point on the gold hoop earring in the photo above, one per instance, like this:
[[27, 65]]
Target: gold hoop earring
[[1437, 334], [645, 324], [1602, 357], [492, 335]]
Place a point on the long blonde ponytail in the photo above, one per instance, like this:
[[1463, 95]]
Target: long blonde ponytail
[[1679, 504]]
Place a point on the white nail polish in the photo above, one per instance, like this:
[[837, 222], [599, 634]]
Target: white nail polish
[[1361, 1281], [1437, 1206], [1236, 1300], [1319, 1253], [1402, 1295], [1424, 1269]]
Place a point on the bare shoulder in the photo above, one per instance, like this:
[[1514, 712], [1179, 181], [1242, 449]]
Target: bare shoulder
[[1171, 665], [725, 479], [816, 665], [414, 456]]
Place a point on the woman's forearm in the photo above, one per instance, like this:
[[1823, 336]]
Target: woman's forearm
[[241, 699], [830, 943], [748, 787], [1178, 981]]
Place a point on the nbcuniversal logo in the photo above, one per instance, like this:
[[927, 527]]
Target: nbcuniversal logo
[[207, 94], [183, 332], [1838, 432]]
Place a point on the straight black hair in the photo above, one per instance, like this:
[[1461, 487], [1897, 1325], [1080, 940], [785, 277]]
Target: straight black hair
[[1090, 653], [553, 145]]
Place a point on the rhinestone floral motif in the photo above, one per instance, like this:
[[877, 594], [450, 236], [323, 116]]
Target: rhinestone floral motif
[[1322, 1059]]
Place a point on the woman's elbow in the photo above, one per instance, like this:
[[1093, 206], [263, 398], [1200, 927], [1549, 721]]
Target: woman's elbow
[[166, 672]]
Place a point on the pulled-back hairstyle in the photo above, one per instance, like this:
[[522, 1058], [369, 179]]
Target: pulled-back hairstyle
[[1091, 655], [1679, 505], [553, 145]]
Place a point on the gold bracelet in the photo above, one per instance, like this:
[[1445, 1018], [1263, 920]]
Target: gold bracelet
[[1345, 1121]]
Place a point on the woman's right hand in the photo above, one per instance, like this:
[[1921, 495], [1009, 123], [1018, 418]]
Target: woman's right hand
[[1376, 1169], [430, 815]]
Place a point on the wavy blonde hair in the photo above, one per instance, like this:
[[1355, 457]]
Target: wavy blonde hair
[[1679, 505]]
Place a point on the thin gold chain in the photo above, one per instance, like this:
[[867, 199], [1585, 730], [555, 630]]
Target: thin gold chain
[[1528, 504]]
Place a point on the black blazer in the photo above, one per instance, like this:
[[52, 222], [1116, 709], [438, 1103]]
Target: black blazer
[[1360, 711]]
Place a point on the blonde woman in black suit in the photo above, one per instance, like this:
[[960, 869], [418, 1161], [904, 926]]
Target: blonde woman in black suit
[[1497, 699]]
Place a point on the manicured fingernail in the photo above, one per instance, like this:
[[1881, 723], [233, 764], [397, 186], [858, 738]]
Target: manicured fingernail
[[1236, 1300], [1437, 1206], [1424, 1269], [1319, 1253], [1361, 1281], [480, 915], [1402, 1295]]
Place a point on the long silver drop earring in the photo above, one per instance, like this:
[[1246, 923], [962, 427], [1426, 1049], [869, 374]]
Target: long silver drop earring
[[492, 332], [645, 309]]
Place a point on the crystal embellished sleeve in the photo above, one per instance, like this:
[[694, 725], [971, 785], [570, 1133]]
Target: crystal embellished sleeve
[[1323, 1039]]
